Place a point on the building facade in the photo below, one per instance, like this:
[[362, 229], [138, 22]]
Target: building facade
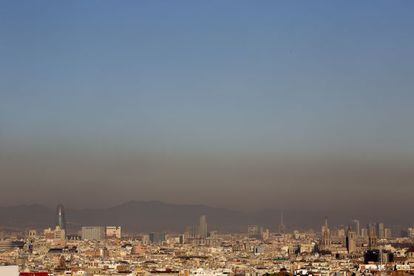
[[93, 233]]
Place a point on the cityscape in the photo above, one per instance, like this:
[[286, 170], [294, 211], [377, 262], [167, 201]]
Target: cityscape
[[351, 249], [206, 137]]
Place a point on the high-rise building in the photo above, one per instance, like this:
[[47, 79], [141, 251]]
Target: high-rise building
[[326, 236], [372, 236], [364, 233], [113, 232], [145, 239], [341, 233], [253, 231], [265, 234], [380, 230], [202, 227], [156, 237], [387, 233], [350, 241], [356, 227], [190, 232], [93, 233], [60, 217]]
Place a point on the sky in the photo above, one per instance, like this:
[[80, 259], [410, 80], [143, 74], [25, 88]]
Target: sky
[[236, 104]]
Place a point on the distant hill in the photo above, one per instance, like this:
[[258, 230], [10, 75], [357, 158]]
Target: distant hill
[[157, 216], [146, 216], [134, 216]]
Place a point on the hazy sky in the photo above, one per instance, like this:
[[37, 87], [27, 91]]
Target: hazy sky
[[242, 104]]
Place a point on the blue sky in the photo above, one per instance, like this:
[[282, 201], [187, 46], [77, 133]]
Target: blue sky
[[224, 73], [292, 77]]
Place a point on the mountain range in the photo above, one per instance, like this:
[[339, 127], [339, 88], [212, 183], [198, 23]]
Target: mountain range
[[146, 216]]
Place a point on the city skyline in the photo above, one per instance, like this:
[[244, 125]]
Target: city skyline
[[206, 138], [107, 249], [208, 103], [137, 216]]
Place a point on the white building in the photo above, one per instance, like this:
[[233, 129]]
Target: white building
[[113, 232], [12, 270], [91, 233]]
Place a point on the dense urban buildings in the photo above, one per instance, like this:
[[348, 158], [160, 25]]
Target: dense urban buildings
[[91, 233], [206, 138], [201, 250], [113, 232]]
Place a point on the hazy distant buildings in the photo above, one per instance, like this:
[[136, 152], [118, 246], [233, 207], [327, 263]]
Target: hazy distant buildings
[[380, 230], [113, 232], [265, 234], [351, 241], [387, 233], [282, 227], [93, 233], [190, 232], [253, 231], [341, 233], [60, 217], [326, 236], [157, 237], [356, 227], [202, 227], [145, 239], [410, 232], [372, 236], [364, 233]]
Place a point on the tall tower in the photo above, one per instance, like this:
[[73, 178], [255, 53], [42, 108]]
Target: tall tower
[[60, 217], [326, 236], [372, 236], [202, 227], [350, 241], [356, 227], [380, 230]]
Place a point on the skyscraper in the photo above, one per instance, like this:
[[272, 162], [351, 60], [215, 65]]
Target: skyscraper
[[356, 227], [253, 231], [157, 237], [372, 236], [350, 241], [202, 227], [93, 233], [387, 233], [380, 230], [60, 217], [326, 236], [364, 233]]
